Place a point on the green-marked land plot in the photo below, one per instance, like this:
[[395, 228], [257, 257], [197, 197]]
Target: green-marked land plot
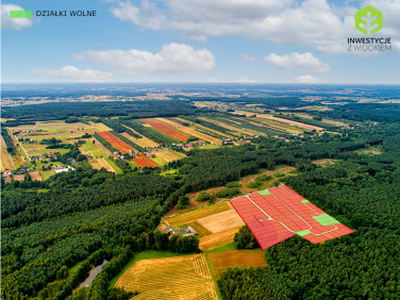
[[303, 233], [265, 192], [325, 220]]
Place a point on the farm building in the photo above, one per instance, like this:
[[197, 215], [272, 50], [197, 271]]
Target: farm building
[[190, 229], [189, 234], [7, 173]]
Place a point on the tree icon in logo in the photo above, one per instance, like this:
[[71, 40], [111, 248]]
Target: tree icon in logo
[[369, 20]]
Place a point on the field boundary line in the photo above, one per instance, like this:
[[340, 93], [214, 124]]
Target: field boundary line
[[109, 165], [23, 149]]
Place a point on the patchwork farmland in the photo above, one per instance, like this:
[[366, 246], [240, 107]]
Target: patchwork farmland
[[279, 213], [218, 224], [180, 277]]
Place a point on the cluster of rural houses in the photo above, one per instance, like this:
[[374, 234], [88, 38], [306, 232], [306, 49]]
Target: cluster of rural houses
[[190, 231]]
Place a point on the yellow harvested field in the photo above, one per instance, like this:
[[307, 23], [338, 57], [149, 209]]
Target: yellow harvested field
[[7, 162], [271, 117], [222, 261], [142, 142], [227, 126], [193, 215], [215, 240], [190, 131], [105, 165], [100, 126], [169, 155], [19, 177], [222, 221], [199, 228], [35, 176], [179, 277]]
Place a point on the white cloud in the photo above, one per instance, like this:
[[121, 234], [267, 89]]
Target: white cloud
[[248, 57], [305, 62], [173, 58], [74, 74], [316, 23], [13, 23], [308, 79]]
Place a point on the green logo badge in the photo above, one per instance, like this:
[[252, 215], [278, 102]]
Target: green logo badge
[[24, 14], [369, 20]]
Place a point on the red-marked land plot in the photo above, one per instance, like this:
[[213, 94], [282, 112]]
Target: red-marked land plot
[[278, 213], [144, 161], [165, 129], [115, 142]]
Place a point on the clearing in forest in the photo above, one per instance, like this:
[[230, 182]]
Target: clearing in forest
[[277, 214], [179, 277], [224, 260]]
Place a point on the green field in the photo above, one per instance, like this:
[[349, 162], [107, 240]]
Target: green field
[[91, 147], [113, 165]]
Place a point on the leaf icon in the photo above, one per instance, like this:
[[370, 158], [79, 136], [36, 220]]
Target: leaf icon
[[369, 20]]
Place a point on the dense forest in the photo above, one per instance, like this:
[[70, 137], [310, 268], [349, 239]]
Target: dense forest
[[364, 193], [63, 110], [80, 218]]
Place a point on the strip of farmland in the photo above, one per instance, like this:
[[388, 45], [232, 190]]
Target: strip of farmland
[[271, 117], [205, 127], [149, 132], [115, 142], [6, 159], [144, 161], [227, 126], [190, 131], [165, 129]]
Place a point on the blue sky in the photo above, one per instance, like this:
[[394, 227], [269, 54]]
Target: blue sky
[[263, 41]]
